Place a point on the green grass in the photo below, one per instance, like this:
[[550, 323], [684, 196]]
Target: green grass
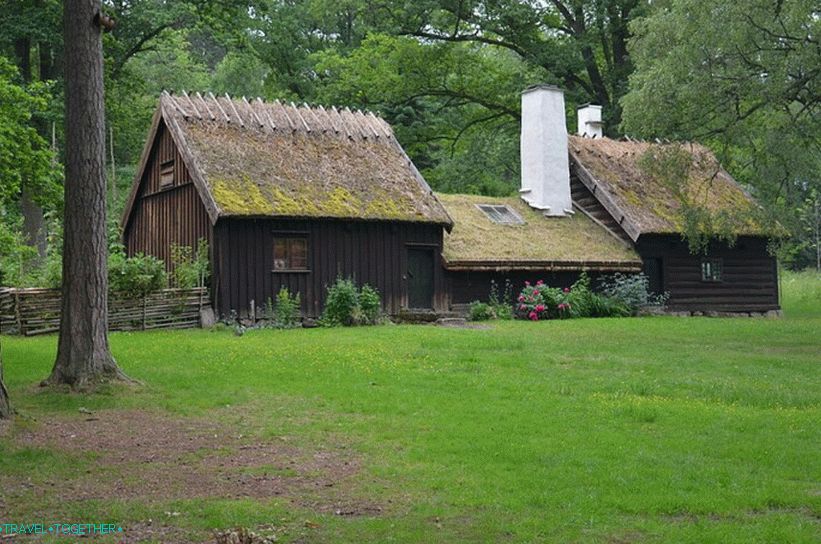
[[610, 430]]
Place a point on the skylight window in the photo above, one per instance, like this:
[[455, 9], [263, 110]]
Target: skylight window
[[499, 213]]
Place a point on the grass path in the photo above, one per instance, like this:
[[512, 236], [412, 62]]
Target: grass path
[[609, 430]]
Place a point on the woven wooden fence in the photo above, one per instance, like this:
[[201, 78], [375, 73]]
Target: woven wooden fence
[[37, 311]]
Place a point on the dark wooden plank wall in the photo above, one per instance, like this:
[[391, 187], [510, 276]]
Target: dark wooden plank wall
[[749, 277], [165, 216], [369, 252], [466, 287]]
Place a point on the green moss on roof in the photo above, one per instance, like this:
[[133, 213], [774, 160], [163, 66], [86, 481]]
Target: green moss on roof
[[577, 239], [649, 203], [323, 174]]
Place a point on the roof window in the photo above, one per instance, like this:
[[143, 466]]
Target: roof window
[[502, 214]]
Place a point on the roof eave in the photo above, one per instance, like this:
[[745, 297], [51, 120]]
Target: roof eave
[[548, 266]]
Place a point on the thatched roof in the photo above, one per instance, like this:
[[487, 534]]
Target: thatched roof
[[251, 158], [613, 171], [557, 243]]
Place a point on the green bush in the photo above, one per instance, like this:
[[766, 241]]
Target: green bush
[[479, 311], [370, 305], [502, 306], [341, 303], [346, 305], [191, 267], [136, 276], [285, 312], [631, 290]]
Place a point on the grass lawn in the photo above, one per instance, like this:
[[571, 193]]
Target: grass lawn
[[596, 430]]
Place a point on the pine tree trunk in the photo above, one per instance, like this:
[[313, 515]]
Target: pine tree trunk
[[83, 354], [5, 407]]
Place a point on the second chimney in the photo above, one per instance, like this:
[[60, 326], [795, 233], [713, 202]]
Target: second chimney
[[590, 121], [545, 163]]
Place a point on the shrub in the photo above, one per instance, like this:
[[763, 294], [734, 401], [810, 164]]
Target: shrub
[[191, 267], [502, 307], [341, 303], [346, 305], [631, 290], [536, 301], [136, 276], [285, 312], [479, 311], [370, 305]]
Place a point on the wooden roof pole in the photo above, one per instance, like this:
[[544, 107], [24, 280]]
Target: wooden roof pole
[[233, 107], [305, 124], [267, 114], [245, 101], [330, 119], [285, 113], [217, 102], [193, 107], [204, 103]]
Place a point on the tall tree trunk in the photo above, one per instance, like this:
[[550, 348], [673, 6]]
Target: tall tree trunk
[[5, 407], [83, 354]]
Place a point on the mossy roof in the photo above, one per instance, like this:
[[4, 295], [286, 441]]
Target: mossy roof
[[650, 204], [573, 242], [258, 159]]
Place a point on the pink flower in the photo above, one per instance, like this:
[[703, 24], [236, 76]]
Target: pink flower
[[539, 283], [540, 308], [566, 289], [536, 293], [522, 307], [533, 316], [527, 284], [521, 298]]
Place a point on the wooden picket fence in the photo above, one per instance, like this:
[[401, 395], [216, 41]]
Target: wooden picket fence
[[37, 311]]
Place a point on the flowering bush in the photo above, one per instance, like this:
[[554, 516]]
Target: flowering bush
[[536, 302]]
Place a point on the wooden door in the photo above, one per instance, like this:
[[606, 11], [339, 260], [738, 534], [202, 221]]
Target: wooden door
[[420, 278]]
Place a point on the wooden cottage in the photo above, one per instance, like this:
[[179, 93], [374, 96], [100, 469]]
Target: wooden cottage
[[294, 196], [588, 204], [287, 196]]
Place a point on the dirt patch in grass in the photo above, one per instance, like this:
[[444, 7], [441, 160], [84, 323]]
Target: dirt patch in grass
[[150, 456]]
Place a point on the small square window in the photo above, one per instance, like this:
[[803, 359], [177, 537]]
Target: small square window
[[291, 253], [499, 213], [711, 270], [166, 174]]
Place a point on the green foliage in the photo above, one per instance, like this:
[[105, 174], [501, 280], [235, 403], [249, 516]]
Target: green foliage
[[345, 305], [741, 77], [135, 276], [285, 312], [191, 268], [502, 305], [537, 302], [631, 290], [340, 303], [480, 311], [370, 305]]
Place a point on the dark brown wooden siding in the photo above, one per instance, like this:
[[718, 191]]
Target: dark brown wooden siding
[[369, 252], [466, 287], [164, 216], [749, 274]]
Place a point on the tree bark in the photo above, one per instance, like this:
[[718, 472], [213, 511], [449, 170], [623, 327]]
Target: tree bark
[[83, 354], [5, 407]]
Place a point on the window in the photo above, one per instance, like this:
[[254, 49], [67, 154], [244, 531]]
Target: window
[[167, 174], [291, 253], [711, 270], [499, 213]]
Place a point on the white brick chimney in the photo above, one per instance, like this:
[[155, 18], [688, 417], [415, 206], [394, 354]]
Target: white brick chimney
[[590, 124], [545, 164]]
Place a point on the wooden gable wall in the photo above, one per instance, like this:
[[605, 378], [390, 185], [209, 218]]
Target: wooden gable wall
[[162, 216]]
